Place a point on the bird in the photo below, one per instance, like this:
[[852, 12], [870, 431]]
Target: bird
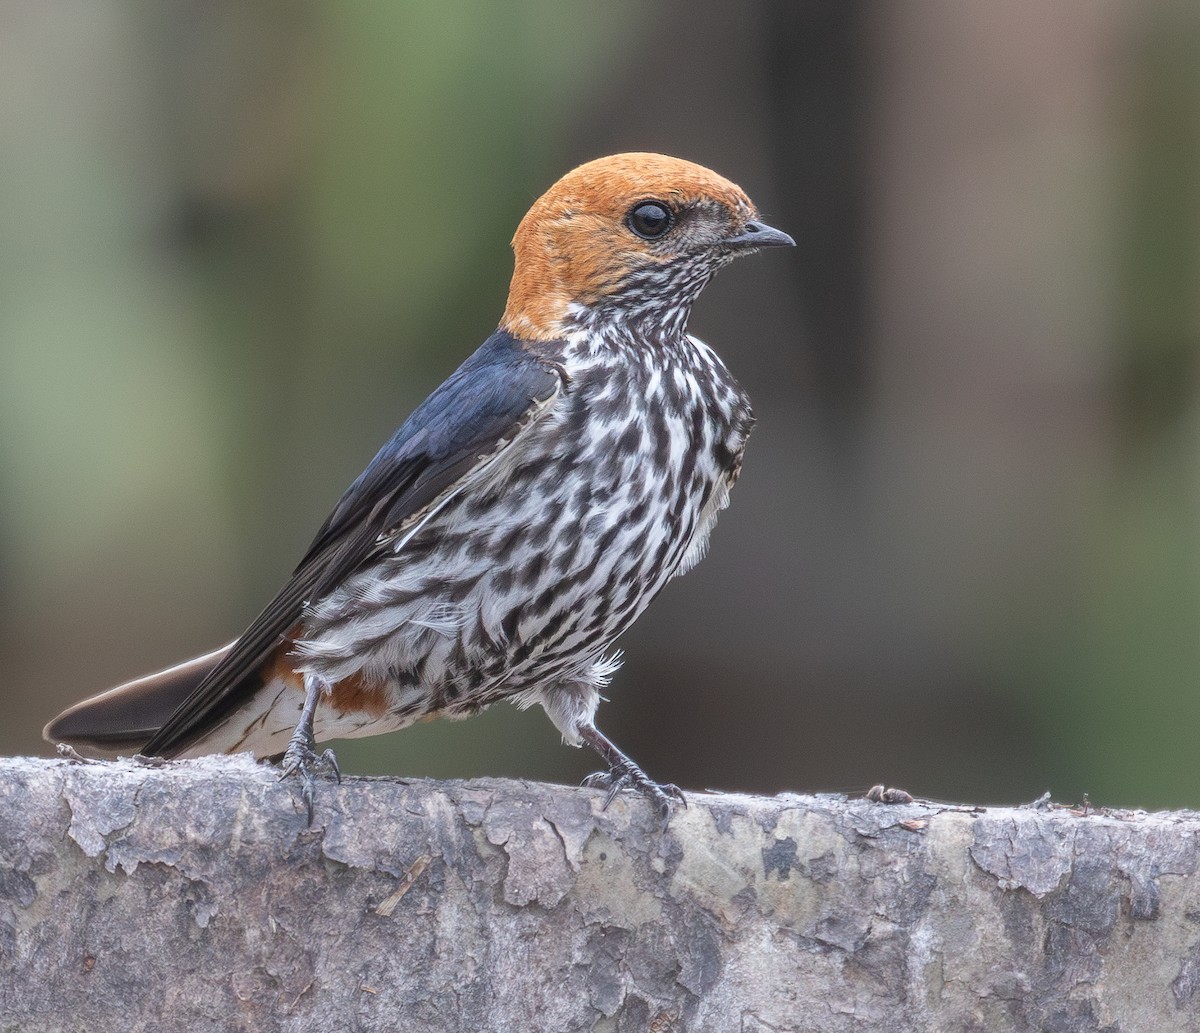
[[517, 523]]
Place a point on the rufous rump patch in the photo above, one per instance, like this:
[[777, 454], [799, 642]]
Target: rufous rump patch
[[353, 695], [281, 668], [357, 695]]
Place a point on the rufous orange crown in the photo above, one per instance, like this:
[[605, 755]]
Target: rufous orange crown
[[575, 246]]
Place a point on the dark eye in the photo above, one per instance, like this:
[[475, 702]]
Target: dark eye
[[650, 219]]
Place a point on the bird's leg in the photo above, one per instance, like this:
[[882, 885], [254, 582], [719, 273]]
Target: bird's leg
[[301, 757], [623, 773]]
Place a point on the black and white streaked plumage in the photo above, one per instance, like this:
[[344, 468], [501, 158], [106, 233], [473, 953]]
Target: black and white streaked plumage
[[519, 521]]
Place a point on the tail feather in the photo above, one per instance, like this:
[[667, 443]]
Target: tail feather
[[126, 717]]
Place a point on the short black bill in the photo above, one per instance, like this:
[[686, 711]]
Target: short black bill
[[759, 234]]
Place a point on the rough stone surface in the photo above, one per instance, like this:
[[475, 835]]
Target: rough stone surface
[[193, 897]]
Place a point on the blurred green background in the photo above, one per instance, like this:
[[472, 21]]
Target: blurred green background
[[241, 239]]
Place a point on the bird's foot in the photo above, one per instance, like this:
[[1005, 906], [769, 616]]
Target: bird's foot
[[663, 796], [302, 760]]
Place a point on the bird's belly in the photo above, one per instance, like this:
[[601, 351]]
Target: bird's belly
[[527, 578]]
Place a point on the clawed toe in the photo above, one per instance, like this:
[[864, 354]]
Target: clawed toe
[[304, 762], [623, 773], [611, 781], [663, 796], [329, 763]]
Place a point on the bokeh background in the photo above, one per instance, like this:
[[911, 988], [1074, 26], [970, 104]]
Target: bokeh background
[[241, 239]]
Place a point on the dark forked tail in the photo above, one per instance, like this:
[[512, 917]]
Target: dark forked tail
[[125, 718]]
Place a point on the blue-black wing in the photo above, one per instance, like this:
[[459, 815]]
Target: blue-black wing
[[471, 418]]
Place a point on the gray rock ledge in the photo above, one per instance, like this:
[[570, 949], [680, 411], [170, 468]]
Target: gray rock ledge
[[193, 897]]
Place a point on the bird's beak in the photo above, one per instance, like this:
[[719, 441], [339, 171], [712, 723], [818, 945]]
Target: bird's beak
[[759, 234]]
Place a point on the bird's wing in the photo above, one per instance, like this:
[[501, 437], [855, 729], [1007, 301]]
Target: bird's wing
[[468, 421]]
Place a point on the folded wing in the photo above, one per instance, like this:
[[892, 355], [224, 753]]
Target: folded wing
[[460, 429]]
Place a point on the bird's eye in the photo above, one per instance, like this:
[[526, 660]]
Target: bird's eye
[[650, 219]]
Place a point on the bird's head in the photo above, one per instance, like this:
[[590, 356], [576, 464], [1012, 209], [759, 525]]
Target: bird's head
[[627, 240]]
